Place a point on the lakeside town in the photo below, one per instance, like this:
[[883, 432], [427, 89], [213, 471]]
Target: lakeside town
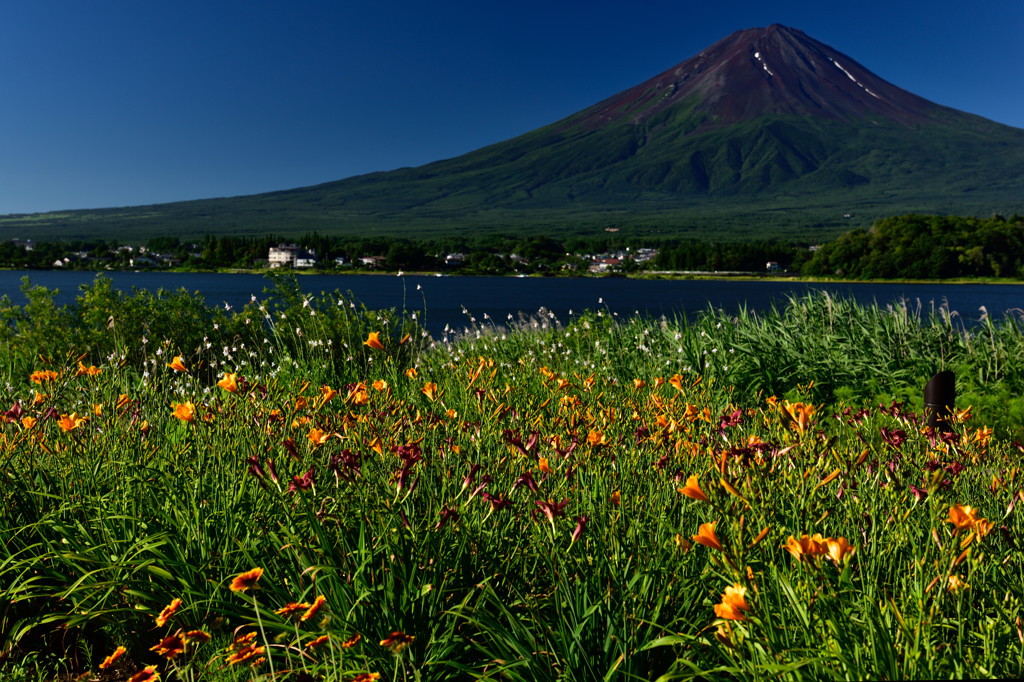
[[537, 256]]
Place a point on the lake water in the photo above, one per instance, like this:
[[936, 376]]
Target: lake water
[[453, 301]]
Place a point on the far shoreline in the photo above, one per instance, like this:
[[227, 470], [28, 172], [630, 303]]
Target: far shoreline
[[664, 275]]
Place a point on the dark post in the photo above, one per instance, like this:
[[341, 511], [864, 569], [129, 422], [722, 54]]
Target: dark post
[[939, 399]]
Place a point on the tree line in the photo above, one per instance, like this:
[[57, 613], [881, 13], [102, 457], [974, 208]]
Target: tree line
[[925, 247], [909, 246]]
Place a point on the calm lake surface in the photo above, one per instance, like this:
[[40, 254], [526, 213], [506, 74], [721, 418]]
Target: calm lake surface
[[453, 301]]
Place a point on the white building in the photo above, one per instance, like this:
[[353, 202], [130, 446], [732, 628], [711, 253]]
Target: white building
[[290, 255]]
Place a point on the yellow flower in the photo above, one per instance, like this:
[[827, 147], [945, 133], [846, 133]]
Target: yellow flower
[[692, 490], [734, 604], [28, 422], [229, 382], [177, 364], [247, 580], [186, 412], [373, 341], [706, 536]]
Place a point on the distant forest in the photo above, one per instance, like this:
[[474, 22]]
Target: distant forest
[[901, 247], [925, 247]]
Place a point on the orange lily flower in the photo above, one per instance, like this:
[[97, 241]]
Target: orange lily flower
[[373, 341], [962, 517], [542, 464], [429, 389], [734, 604], [91, 371], [839, 550], [411, 372], [186, 412], [956, 583], [380, 385], [70, 422], [229, 382], [326, 393], [806, 546], [692, 490], [706, 536], [317, 437], [177, 364], [800, 414], [28, 422], [639, 383], [43, 375]]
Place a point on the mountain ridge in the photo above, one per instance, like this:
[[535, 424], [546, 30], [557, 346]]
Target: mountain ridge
[[767, 124]]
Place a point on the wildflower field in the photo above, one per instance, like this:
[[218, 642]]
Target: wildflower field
[[308, 490]]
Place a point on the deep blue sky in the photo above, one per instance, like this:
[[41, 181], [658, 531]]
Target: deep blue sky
[[127, 102]]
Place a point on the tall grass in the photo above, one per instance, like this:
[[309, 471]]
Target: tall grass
[[508, 503]]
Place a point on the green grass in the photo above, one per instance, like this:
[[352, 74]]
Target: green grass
[[511, 500]]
